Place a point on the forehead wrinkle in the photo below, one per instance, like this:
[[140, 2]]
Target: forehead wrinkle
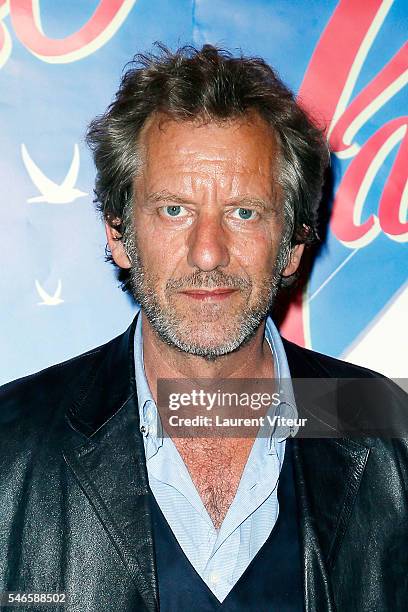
[[206, 169], [203, 161], [212, 186]]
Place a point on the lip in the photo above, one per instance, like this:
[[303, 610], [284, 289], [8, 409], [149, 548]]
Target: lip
[[204, 294]]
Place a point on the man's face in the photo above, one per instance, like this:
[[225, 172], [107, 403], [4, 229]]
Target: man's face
[[208, 219]]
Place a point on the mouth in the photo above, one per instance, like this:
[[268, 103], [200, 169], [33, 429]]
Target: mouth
[[209, 295]]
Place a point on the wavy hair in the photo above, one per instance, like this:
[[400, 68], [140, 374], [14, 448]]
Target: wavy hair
[[207, 84]]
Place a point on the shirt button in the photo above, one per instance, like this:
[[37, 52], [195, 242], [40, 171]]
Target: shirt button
[[214, 578]]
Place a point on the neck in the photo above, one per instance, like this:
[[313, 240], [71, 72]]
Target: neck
[[164, 361]]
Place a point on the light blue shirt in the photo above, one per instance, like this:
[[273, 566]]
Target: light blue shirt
[[219, 556]]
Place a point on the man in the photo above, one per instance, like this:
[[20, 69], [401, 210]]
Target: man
[[208, 177]]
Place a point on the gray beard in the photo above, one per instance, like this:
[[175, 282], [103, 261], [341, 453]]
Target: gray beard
[[162, 318]]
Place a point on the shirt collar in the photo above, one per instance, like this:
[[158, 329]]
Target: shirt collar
[[150, 424], [287, 407]]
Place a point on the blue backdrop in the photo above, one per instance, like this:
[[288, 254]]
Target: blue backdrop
[[60, 66]]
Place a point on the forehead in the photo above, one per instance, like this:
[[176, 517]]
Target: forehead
[[244, 145]]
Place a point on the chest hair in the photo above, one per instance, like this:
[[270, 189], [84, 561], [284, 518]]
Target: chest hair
[[215, 467]]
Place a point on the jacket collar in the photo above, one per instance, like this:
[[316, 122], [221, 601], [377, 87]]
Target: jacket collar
[[106, 454], [328, 473]]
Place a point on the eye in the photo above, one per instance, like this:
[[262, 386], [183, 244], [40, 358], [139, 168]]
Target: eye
[[244, 214], [174, 210]]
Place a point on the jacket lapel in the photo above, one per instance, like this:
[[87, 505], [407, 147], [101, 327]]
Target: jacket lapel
[[328, 473], [106, 454], [107, 458]]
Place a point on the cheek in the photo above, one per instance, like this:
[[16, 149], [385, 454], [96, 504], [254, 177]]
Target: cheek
[[256, 255], [161, 252]]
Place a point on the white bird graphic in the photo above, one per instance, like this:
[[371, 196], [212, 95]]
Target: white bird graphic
[[47, 299], [51, 192]]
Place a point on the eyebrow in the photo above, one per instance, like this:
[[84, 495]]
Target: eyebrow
[[240, 201], [166, 196]]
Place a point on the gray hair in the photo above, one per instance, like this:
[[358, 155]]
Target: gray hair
[[209, 84]]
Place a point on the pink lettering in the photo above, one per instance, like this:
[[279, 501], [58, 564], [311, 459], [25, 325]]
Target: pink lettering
[[325, 92], [346, 219], [105, 21], [389, 80], [327, 74]]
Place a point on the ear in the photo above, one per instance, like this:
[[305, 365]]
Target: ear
[[295, 257], [116, 247]]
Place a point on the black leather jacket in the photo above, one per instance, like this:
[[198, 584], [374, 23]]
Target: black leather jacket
[[73, 494]]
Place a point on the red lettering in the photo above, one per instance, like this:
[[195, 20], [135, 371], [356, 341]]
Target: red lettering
[[105, 21], [386, 84], [329, 69], [346, 218], [325, 92], [392, 211]]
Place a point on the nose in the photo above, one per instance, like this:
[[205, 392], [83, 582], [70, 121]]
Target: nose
[[207, 247]]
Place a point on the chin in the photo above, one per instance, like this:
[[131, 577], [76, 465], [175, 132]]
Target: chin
[[208, 345], [209, 332]]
